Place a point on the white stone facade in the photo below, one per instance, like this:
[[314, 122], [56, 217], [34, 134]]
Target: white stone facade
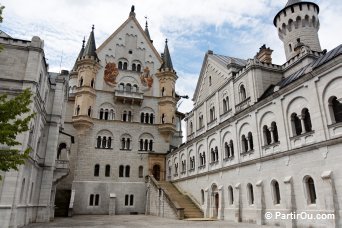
[[274, 147], [27, 195]]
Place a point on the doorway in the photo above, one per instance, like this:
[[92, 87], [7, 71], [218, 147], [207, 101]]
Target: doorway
[[156, 172]]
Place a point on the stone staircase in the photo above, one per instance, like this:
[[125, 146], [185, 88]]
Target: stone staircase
[[190, 208]]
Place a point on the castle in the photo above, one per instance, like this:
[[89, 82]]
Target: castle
[[107, 138]]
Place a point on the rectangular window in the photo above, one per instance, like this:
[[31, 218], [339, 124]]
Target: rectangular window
[[97, 198], [131, 200], [91, 200], [126, 200]]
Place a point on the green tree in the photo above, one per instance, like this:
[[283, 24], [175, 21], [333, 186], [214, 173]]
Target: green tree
[[13, 123]]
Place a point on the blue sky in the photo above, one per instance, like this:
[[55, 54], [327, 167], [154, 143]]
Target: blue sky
[[228, 27]]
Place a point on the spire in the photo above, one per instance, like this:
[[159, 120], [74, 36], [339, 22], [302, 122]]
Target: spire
[[147, 32], [79, 55], [132, 13], [90, 48], [167, 63]]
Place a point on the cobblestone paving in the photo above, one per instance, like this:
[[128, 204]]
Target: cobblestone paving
[[135, 221]]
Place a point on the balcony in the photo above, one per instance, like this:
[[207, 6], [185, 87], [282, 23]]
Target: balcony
[[85, 90], [61, 169], [128, 97], [243, 105], [82, 122]]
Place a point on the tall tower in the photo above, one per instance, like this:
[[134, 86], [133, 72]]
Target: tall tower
[[87, 66], [297, 25], [167, 102]]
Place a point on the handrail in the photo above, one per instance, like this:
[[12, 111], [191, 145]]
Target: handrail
[[174, 205]]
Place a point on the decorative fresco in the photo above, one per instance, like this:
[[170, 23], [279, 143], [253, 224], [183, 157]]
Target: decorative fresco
[[146, 78], [110, 74]]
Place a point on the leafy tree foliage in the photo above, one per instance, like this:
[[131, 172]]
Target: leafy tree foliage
[[15, 116]]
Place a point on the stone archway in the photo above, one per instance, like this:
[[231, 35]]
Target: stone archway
[[215, 199], [156, 172]]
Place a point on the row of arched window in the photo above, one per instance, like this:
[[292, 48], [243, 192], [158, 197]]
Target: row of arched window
[[128, 87], [103, 142], [309, 189], [247, 142], [147, 118], [123, 65], [106, 114], [270, 134], [214, 154], [225, 102], [124, 171], [301, 123]]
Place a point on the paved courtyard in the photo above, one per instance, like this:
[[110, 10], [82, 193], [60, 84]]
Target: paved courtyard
[[136, 221]]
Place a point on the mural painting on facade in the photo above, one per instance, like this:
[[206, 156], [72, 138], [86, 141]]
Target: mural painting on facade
[[110, 73], [146, 78]]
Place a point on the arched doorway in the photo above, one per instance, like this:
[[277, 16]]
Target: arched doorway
[[215, 199], [156, 172]]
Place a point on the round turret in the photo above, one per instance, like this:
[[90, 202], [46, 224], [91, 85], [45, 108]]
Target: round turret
[[298, 20]]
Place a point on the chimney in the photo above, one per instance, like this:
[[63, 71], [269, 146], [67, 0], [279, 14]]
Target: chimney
[[264, 54]]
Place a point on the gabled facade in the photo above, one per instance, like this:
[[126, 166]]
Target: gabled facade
[[122, 111]]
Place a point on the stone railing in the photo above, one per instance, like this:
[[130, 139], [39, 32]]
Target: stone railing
[[164, 207], [243, 105]]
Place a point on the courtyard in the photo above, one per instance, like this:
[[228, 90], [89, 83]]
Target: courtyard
[[137, 221]]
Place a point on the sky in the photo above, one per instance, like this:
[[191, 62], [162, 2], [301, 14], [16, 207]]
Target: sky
[[192, 27]]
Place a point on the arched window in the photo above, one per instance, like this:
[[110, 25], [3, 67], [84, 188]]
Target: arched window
[[121, 171], [191, 128], [310, 190], [202, 196], [230, 195], [141, 144], [146, 144], [77, 110], [243, 95], [120, 65], [151, 145], [162, 91], [109, 142], [101, 114], [307, 120], [163, 118], [81, 81], [98, 143], [124, 116], [231, 145], [21, 199], [128, 87], [250, 140], [274, 130], [296, 124], [127, 171], [142, 117], [125, 66], [134, 67], [336, 109], [96, 170], [135, 88], [128, 143], [123, 143], [225, 109], [89, 111], [276, 192], [244, 143], [139, 68], [129, 116], [122, 87], [92, 83], [147, 117], [212, 152], [216, 154], [107, 171], [267, 135], [226, 150], [106, 114], [151, 118], [131, 200], [112, 115], [141, 172], [250, 194], [104, 142]]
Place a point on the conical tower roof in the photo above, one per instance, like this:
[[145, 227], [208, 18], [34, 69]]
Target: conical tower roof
[[167, 62], [291, 2], [147, 32], [79, 55], [90, 48]]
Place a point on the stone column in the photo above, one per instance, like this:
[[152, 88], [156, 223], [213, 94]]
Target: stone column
[[271, 129], [289, 201], [301, 117], [207, 203], [260, 203], [112, 199], [237, 202], [330, 198], [220, 213]]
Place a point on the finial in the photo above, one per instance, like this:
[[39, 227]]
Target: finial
[[92, 28], [166, 41], [146, 25], [83, 42], [132, 9]]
